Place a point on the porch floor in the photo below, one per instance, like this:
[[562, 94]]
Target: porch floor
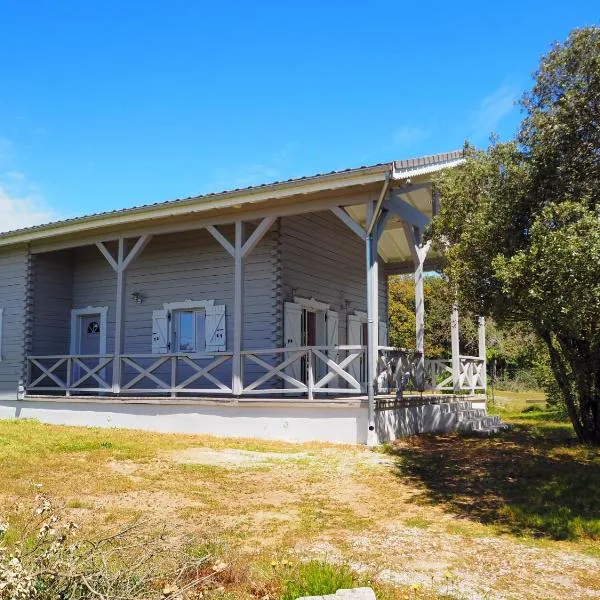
[[381, 400]]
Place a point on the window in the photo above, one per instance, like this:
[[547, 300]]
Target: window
[[192, 326], [188, 333]]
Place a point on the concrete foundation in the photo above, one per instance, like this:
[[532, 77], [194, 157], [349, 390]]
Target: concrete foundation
[[342, 421]]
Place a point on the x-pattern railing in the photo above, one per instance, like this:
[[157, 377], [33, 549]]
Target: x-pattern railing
[[317, 369], [306, 370], [68, 373], [471, 374], [398, 369], [174, 373]]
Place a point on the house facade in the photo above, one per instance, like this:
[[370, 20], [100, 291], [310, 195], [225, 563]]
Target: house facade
[[259, 312]]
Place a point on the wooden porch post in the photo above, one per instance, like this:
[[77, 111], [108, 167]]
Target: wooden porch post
[[455, 350], [482, 354], [239, 251], [119, 317], [419, 254], [120, 266], [238, 309], [372, 271]]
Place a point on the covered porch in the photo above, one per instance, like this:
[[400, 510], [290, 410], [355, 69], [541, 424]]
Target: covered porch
[[248, 354]]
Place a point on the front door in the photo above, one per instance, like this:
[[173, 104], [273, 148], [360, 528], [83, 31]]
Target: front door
[[89, 334], [88, 341]]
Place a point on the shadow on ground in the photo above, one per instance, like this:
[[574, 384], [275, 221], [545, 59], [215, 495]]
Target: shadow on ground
[[534, 480]]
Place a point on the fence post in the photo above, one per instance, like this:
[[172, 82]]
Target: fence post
[[311, 375], [482, 354], [455, 350]]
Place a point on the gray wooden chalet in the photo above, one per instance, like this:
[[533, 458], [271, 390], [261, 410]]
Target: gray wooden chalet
[[258, 312]]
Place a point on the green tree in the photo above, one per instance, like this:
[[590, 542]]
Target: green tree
[[438, 308], [520, 224]]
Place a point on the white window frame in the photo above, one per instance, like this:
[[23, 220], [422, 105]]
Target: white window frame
[[194, 306], [75, 322]]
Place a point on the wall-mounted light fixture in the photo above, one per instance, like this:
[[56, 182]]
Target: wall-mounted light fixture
[[137, 297]]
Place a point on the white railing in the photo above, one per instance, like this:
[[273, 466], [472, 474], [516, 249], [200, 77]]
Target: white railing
[[398, 369], [70, 374], [310, 370], [305, 370], [175, 374], [471, 375], [171, 374]]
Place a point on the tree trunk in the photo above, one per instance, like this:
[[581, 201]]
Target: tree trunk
[[577, 380]]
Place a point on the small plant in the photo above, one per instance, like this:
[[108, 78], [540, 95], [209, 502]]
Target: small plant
[[43, 557], [316, 578]]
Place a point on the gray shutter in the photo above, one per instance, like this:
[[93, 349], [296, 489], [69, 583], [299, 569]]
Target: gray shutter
[[292, 331], [1, 330], [160, 332], [215, 329]]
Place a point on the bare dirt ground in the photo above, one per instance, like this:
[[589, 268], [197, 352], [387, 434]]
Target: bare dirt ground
[[427, 513]]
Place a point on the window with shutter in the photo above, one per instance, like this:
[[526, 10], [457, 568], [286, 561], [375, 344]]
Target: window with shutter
[[215, 329], [160, 329]]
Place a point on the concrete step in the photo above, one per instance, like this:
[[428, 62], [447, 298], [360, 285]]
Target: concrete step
[[484, 425]]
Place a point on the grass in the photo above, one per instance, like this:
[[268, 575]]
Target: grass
[[322, 507], [534, 480]]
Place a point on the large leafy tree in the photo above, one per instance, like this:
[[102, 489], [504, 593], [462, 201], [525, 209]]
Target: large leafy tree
[[520, 223]]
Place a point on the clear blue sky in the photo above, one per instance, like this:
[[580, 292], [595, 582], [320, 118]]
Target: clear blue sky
[[107, 104]]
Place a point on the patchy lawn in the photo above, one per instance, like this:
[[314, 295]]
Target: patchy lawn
[[514, 516]]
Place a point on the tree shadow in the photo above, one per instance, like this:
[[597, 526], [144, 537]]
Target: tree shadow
[[529, 481]]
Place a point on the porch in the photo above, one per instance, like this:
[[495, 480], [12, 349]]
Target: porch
[[281, 303], [187, 376]]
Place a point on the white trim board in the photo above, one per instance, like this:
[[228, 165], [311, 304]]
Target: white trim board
[[188, 304], [311, 303]]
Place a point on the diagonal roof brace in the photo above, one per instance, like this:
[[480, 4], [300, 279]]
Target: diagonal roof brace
[[406, 212], [384, 189]]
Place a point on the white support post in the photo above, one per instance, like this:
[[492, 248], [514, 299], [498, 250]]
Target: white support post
[[119, 317], [420, 320], [238, 309], [419, 254], [119, 266], [371, 243], [455, 350], [239, 250], [482, 353]]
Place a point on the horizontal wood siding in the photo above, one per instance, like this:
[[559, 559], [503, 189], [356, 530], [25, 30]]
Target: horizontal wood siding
[[52, 303], [13, 299], [322, 258], [177, 267]]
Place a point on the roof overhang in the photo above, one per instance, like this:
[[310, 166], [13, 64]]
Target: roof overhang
[[307, 194]]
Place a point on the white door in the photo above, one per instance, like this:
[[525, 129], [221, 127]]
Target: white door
[[88, 338], [89, 334]]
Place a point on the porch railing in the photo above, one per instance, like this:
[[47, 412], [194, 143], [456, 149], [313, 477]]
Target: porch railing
[[471, 374], [310, 370], [307, 370]]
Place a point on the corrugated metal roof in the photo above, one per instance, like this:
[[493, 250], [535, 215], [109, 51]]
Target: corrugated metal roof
[[400, 165]]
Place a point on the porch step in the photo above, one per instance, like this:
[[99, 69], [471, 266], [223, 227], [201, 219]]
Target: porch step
[[481, 425]]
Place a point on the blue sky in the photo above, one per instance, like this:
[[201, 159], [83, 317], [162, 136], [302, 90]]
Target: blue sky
[[108, 104]]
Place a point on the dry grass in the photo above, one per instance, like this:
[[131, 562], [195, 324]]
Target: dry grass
[[428, 515]]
